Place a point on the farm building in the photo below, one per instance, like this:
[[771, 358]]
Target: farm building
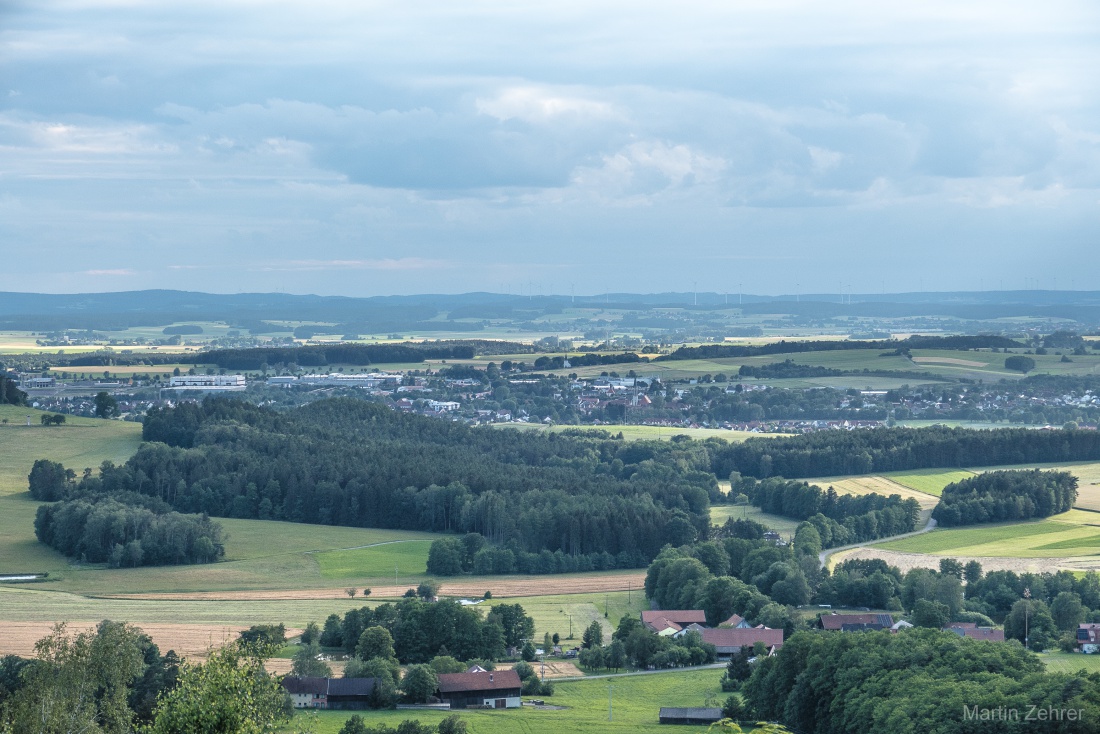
[[728, 641], [735, 620], [689, 716], [496, 689], [856, 622], [667, 622], [329, 693], [1088, 638]]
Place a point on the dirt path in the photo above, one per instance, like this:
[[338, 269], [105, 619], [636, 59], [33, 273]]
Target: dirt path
[[823, 556], [504, 586]]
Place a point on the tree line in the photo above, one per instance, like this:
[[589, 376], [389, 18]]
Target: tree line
[[717, 351], [1001, 496], [839, 519], [452, 557], [837, 453], [351, 462]]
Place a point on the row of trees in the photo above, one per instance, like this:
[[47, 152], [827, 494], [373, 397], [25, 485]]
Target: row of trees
[[1000, 496], [836, 453], [318, 356], [417, 630], [451, 557], [717, 351], [351, 462], [102, 529]]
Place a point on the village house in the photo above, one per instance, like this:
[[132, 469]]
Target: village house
[[1088, 638], [728, 641], [667, 622], [329, 693], [497, 689]]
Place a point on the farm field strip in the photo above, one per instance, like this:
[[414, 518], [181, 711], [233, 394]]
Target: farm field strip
[[1076, 530], [929, 481], [188, 640], [720, 513], [1017, 564], [500, 586], [875, 485]]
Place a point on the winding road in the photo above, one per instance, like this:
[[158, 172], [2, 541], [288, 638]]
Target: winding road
[[823, 556]]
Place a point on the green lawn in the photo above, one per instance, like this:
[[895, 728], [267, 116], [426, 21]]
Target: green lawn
[[1069, 662], [1074, 531], [635, 703], [552, 613], [929, 481], [80, 443], [407, 556], [720, 513]]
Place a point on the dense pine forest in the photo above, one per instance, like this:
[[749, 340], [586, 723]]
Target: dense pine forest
[[349, 462], [837, 453]]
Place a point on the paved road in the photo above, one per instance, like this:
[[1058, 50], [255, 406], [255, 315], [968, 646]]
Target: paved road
[[823, 556]]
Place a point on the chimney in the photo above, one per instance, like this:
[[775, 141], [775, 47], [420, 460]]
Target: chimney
[[490, 677]]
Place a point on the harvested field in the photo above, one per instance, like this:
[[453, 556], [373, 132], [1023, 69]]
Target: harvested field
[[1088, 498], [907, 561], [282, 666], [950, 360], [503, 586], [876, 485], [188, 640]]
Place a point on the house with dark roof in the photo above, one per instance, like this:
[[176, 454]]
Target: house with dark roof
[[856, 622], [689, 715], [1088, 638], [728, 641], [329, 693], [670, 621], [497, 689], [974, 632]]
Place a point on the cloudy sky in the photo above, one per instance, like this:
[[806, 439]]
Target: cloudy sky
[[366, 148]]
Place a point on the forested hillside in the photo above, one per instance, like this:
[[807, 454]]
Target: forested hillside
[[349, 462]]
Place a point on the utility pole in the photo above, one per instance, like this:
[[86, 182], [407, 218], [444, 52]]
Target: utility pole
[[570, 626], [1027, 608]]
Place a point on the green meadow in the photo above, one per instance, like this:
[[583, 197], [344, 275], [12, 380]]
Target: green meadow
[[635, 701], [406, 556], [929, 481], [1073, 533], [1070, 662], [720, 513]]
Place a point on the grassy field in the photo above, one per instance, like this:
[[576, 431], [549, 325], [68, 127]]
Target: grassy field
[[80, 443], [1068, 662], [407, 556], [552, 613], [1073, 533], [928, 481], [720, 513], [635, 703]]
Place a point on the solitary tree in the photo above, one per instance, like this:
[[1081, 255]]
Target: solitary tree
[[105, 405]]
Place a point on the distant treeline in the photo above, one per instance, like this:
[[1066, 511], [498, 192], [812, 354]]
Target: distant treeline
[[1000, 496], [788, 369], [838, 453], [716, 351], [354, 354], [350, 462], [10, 394], [125, 530], [585, 360], [840, 519]]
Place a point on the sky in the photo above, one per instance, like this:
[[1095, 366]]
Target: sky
[[373, 148]]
